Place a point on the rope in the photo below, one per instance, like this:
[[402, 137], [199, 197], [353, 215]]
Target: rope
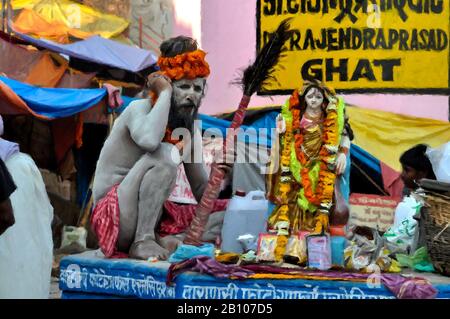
[[440, 233], [370, 179]]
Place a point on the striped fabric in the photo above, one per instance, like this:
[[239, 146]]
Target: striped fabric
[[105, 224]]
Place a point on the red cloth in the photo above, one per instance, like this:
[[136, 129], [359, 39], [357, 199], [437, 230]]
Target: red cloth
[[114, 98], [392, 181], [105, 224], [177, 217], [63, 132]]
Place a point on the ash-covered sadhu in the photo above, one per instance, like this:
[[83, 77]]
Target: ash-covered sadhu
[[138, 163]]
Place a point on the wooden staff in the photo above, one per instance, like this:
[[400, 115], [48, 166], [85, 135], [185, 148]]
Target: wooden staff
[[252, 80]]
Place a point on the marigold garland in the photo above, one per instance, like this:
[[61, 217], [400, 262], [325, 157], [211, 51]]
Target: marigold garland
[[323, 195], [189, 65], [286, 178], [284, 190], [280, 247]]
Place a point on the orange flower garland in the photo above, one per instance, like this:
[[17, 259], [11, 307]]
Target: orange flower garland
[[283, 191], [325, 186], [323, 195], [188, 65], [280, 247]]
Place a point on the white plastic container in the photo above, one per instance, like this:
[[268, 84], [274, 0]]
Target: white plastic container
[[246, 214]]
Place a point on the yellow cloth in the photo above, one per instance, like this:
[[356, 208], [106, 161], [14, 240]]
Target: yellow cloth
[[30, 22], [74, 16], [387, 135], [228, 258]]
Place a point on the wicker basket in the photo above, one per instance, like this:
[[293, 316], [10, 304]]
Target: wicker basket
[[436, 226]]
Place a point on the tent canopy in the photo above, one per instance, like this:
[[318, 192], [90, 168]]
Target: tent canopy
[[39, 68], [46, 103], [102, 51]]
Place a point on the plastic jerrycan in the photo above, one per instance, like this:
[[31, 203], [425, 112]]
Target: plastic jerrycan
[[245, 214]]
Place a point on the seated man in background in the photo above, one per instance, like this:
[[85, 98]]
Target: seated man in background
[[404, 235], [415, 166]]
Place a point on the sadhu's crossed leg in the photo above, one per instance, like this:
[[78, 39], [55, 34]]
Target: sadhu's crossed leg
[[141, 195]]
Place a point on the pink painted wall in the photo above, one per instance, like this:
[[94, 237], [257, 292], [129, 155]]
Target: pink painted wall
[[180, 27], [229, 37]]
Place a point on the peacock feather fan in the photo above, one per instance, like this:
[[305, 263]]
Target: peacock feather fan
[[257, 74]]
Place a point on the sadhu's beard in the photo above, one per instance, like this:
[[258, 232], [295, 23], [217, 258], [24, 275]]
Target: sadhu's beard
[[182, 116]]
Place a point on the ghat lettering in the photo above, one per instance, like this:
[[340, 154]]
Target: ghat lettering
[[349, 8], [365, 69], [332, 39]]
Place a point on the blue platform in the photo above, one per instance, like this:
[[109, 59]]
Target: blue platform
[[89, 275]]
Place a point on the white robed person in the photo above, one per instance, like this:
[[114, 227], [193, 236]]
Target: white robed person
[[26, 248]]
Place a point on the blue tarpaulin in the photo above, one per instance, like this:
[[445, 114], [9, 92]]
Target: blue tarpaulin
[[368, 159], [55, 103], [254, 134], [249, 134]]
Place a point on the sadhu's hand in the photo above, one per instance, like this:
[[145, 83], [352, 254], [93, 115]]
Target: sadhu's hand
[[322, 223], [225, 163], [226, 168], [158, 82]]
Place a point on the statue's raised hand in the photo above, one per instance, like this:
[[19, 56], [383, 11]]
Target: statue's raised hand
[[341, 163], [281, 124]]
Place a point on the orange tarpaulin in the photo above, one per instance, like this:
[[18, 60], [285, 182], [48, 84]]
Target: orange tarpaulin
[[40, 68], [30, 22], [46, 73], [16, 61]]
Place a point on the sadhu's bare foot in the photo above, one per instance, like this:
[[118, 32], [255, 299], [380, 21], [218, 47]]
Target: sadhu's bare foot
[[171, 242], [148, 248]]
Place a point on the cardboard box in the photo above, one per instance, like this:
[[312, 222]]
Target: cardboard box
[[373, 211]]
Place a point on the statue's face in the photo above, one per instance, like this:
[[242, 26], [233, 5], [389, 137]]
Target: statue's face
[[314, 99], [187, 94]]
